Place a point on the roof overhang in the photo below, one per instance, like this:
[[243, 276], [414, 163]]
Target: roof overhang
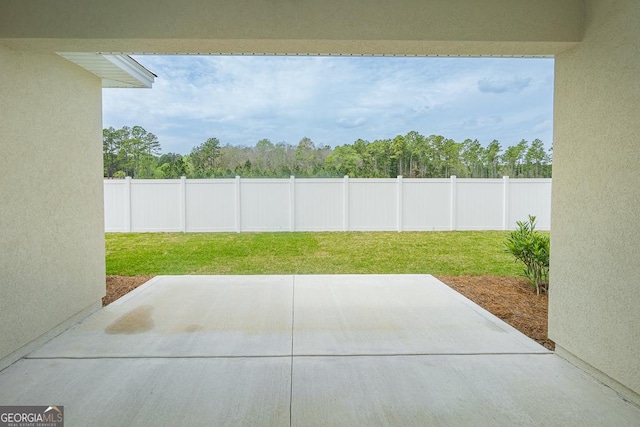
[[116, 71]]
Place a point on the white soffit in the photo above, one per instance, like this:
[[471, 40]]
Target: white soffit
[[115, 70]]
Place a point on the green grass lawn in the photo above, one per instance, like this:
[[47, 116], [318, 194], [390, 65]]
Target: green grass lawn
[[439, 253]]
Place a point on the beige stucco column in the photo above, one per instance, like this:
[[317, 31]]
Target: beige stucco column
[[594, 313], [51, 203]]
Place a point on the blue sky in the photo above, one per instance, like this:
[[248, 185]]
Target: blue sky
[[336, 100]]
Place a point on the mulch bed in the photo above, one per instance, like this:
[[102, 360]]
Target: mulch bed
[[118, 286], [509, 298]]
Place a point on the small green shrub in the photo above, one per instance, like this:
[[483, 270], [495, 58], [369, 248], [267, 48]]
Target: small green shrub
[[532, 248]]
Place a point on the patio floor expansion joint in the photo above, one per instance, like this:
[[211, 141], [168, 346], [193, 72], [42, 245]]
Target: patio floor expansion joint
[[293, 320]]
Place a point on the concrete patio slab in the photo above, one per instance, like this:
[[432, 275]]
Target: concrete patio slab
[[395, 314], [460, 390], [155, 392], [192, 316], [396, 350]]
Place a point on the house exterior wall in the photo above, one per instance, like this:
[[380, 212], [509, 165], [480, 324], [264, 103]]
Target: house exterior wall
[[51, 197], [595, 256]]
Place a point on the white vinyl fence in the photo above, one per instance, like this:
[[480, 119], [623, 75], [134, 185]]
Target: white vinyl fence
[[321, 204]]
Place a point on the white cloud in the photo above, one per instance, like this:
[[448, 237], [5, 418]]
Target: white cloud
[[513, 84], [353, 122]]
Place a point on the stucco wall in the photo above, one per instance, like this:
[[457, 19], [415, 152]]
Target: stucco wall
[[594, 310], [51, 200], [451, 20], [306, 26]]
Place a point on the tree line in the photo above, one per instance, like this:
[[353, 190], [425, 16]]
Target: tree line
[[134, 152]]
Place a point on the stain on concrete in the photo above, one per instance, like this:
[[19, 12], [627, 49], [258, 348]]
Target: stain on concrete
[[192, 328], [135, 321]]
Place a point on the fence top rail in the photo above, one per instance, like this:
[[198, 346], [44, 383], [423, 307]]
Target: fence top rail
[[320, 180], [210, 180], [155, 181], [116, 181], [376, 180], [479, 180], [284, 181], [530, 180], [428, 180]]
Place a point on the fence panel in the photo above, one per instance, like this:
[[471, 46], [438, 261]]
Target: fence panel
[[264, 205], [529, 197], [479, 204], [155, 205], [210, 205], [116, 205], [319, 205], [224, 205], [426, 204], [372, 204]]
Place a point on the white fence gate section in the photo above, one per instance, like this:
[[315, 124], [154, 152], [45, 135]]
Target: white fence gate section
[[324, 204]]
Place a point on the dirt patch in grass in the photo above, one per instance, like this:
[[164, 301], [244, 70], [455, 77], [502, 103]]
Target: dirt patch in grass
[[509, 298]]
